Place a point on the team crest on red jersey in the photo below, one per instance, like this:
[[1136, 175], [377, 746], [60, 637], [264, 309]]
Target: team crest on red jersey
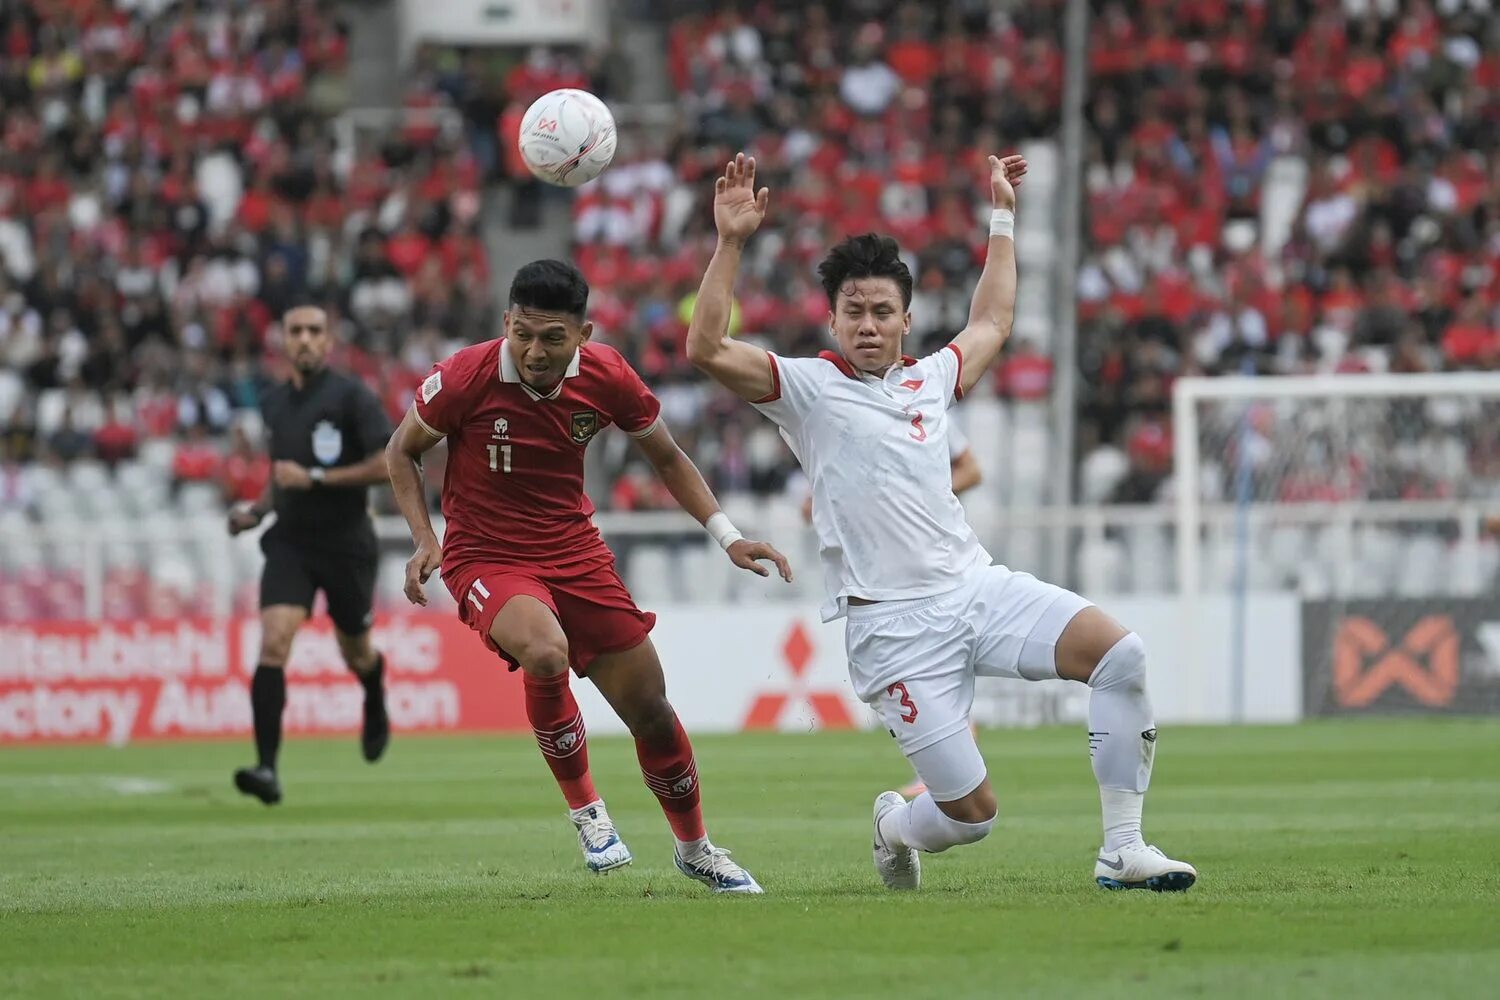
[[583, 426]]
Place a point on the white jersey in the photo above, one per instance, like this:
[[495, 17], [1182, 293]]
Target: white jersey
[[876, 451]]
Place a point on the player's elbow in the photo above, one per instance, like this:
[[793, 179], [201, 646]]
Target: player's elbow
[[401, 450], [701, 349]]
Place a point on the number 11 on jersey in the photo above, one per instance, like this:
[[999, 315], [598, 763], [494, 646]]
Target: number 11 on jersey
[[499, 457]]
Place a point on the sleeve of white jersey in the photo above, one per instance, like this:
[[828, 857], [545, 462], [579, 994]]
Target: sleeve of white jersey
[[947, 367], [795, 384]]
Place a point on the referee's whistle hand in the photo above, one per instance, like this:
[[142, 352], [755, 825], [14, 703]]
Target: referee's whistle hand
[[419, 569], [242, 517], [290, 475]]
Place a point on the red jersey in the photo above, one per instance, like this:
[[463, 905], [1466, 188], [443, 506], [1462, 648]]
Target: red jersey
[[513, 487]]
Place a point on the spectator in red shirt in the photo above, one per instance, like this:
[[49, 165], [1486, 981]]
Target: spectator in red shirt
[[246, 469], [1472, 340]]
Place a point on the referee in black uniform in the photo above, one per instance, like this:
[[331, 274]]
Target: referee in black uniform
[[327, 434]]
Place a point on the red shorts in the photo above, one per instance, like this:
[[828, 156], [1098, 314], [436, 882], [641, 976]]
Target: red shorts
[[596, 612]]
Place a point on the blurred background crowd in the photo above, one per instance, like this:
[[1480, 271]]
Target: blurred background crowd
[[1272, 186]]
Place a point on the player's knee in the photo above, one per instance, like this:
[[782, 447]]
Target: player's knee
[[545, 658], [1122, 668], [652, 720], [276, 646], [358, 653]]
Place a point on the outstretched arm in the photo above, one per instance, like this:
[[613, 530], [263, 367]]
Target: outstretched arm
[[403, 454], [738, 210], [686, 484], [993, 308]]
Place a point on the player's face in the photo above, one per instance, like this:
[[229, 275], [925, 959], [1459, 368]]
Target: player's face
[[869, 322], [306, 340], [542, 344]]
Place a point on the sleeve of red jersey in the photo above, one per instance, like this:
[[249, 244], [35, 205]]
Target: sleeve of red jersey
[[636, 409], [440, 398]]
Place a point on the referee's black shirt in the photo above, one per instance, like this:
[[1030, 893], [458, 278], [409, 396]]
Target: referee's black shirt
[[333, 420]]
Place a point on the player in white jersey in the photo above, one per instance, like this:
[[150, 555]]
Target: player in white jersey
[[926, 608], [966, 474]]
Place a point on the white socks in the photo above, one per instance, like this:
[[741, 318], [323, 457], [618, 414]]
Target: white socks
[[1122, 739], [921, 824], [1122, 817], [691, 848], [581, 814]]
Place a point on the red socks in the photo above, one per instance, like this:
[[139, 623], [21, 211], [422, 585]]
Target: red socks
[[558, 726], [667, 765], [672, 776]]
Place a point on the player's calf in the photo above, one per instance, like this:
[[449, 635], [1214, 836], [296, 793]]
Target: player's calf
[[557, 724], [375, 733], [922, 824]]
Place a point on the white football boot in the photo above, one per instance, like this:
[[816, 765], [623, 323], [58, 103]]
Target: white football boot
[[899, 868], [714, 868], [603, 850], [1141, 866]]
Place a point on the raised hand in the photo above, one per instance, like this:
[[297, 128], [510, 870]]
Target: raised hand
[[1005, 177], [738, 207]]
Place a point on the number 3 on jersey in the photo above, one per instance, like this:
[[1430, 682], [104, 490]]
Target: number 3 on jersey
[[499, 457], [908, 707]]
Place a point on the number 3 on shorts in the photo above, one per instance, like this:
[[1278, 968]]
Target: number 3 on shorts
[[908, 707]]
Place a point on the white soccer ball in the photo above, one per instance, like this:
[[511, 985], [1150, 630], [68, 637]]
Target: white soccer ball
[[567, 137]]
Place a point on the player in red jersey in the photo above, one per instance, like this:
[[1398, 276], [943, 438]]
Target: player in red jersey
[[525, 563]]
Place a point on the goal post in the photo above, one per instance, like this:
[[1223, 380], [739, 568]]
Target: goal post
[[1367, 499]]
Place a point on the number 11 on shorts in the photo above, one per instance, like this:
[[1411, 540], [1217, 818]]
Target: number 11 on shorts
[[908, 707]]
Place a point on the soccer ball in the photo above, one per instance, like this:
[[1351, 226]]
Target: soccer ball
[[567, 137]]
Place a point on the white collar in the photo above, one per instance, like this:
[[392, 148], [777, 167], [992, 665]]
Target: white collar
[[510, 373]]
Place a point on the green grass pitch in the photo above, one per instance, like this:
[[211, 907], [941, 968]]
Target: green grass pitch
[[1341, 858]]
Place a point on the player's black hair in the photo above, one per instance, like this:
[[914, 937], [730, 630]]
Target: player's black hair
[[550, 285], [867, 256]]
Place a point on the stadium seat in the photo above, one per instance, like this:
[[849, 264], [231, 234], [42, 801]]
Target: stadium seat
[[650, 574], [195, 499], [1423, 565], [1103, 568]]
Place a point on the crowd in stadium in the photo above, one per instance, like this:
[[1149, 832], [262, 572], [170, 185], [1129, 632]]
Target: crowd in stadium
[[169, 185], [877, 121], [170, 182]]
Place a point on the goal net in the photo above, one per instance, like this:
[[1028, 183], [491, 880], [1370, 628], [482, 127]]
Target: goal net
[[1373, 501]]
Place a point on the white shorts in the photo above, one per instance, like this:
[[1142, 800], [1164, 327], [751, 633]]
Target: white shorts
[[915, 661]]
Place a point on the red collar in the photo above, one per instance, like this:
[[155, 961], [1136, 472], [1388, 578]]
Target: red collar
[[843, 365]]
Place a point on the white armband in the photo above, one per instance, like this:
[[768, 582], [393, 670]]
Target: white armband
[[722, 529], [1003, 223]]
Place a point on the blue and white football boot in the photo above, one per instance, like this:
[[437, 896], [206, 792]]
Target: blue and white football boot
[[1141, 866], [712, 866], [603, 850]]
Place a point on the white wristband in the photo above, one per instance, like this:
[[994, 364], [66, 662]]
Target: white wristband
[[1003, 223], [722, 529]]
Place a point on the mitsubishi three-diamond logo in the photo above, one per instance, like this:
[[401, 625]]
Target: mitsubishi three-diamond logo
[[827, 708]]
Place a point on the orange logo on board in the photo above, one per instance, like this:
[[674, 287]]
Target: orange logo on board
[[1366, 664]]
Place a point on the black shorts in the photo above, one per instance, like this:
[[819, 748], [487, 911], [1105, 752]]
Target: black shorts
[[343, 568]]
